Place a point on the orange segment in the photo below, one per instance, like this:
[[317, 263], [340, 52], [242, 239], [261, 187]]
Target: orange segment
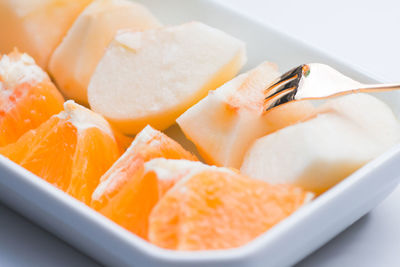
[[220, 210], [169, 171], [27, 96], [46, 151], [125, 194], [123, 141], [127, 199], [71, 150], [99, 150]]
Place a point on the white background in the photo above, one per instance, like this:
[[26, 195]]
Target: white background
[[365, 33]]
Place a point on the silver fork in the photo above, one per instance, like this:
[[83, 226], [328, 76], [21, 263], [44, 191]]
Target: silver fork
[[315, 81]]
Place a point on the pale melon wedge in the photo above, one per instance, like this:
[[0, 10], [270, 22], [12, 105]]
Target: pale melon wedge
[[346, 133], [152, 77], [76, 58], [225, 123], [36, 26]]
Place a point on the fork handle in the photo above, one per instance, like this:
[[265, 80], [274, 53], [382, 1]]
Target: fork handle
[[271, 101], [379, 87], [364, 89]]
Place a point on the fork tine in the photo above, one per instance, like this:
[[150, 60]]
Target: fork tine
[[278, 86], [282, 96], [285, 89], [297, 84], [287, 80]]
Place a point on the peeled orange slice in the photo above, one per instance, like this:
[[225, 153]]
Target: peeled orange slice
[[169, 171], [220, 210], [125, 195], [71, 150], [123, 141], [27, 96]]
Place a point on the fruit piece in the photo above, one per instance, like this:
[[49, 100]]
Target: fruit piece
[[345, 134], [225, 123], [124, 194], [36, 27], [27, 96], [122, 140], [76, 58], [151, 77], [219, 210], [71, 150], [169, 171]]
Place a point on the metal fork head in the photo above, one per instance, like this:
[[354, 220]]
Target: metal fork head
[[286, 86], [316, 81]]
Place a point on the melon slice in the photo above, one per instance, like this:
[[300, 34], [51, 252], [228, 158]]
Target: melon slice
[[76, 58], [346, 133], [225, 123], [36, 26], [152, 77]]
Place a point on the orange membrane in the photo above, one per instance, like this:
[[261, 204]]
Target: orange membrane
[[71, 150], [27, 96], [125, 194], [220, 210]]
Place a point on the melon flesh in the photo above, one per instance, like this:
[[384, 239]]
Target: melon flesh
[[346, 133], [36, 27], [76, 58], [225, 123], [152, 77]]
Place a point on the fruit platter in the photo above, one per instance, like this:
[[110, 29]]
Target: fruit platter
[[138, 132]]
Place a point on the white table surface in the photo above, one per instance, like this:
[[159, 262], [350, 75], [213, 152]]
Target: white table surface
[[363, 32]]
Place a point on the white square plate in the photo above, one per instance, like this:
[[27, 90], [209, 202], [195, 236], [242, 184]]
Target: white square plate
[[285, 244]]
